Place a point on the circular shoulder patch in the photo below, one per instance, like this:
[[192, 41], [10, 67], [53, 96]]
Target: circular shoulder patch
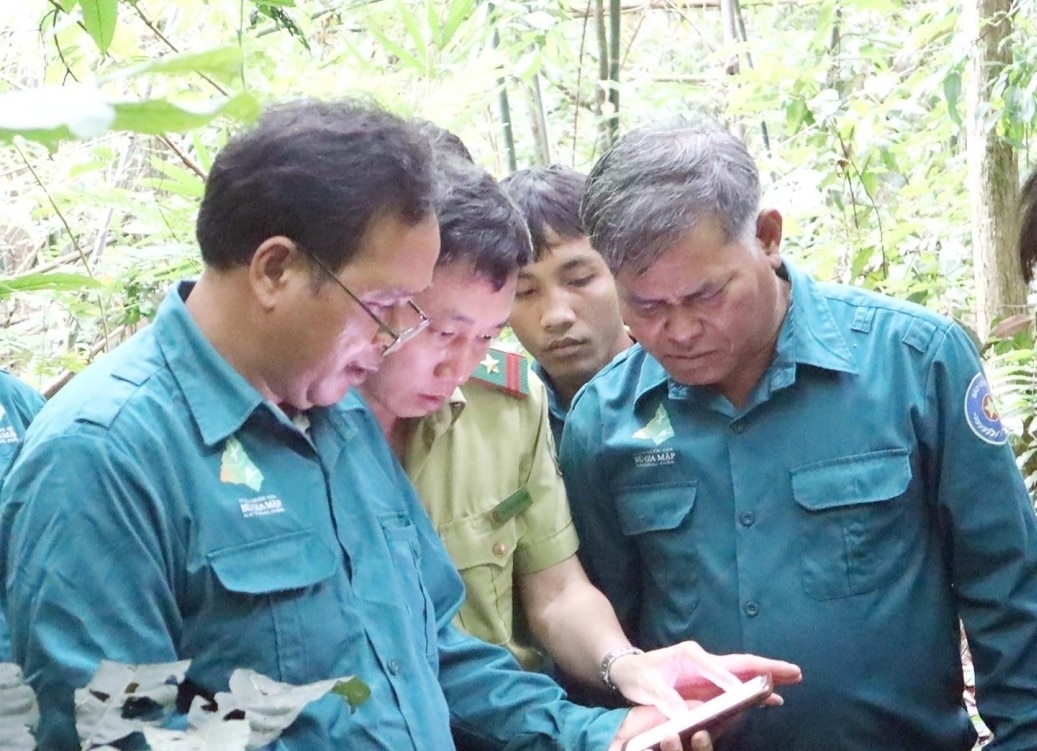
[[981, 413]]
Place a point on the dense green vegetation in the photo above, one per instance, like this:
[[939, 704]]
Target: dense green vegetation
[[110, 111]]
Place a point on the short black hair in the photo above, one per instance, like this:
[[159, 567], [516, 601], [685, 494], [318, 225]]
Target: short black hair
[[1028, 227], [443, 141], [319, 173], [549, 197], [478, 223]]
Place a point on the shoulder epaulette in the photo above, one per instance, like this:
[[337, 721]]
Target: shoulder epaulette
[[505, 371]]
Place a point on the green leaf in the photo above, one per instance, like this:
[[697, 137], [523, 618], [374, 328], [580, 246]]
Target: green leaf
[[58, 280], [403, 55], [222, 63], [353, 690], [99, 18], [952, 93], [458, 12], [158, 116], [68, 5], [413, 27], [51, 114]]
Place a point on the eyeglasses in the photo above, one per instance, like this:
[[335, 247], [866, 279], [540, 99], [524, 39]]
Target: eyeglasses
[[398, 338]]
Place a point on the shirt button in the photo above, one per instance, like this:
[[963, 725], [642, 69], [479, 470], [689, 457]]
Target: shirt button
[[752, 609], [738, 427], [747, 518], [394, 667], [500, 549]]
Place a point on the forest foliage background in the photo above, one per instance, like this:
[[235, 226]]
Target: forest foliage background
[[111, 110]]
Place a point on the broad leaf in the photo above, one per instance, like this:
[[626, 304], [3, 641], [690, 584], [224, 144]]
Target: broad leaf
[[222, 63], [158, 116], [19, 712], [269, 706], [51, 114], [58, 280], [123, 699], [229, 735], [99, 18]]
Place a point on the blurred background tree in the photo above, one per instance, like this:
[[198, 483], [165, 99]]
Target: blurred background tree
[[890, 133]]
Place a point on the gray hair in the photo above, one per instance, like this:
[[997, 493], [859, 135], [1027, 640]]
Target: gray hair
[[659, 181]]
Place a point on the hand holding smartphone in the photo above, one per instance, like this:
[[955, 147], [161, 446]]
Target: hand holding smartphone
[[749, 694]]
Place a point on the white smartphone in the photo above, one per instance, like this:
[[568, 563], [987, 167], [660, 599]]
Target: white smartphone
[[727, 704]]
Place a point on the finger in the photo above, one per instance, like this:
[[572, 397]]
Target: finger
[[671, 743], [701, 741], [667, 700], [747, 666], [711, 666]]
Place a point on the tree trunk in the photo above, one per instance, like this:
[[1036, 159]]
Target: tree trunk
[[993, 169]]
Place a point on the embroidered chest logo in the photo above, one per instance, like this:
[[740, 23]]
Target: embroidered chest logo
[[7, 432], [237, 468], [658, 431], [981, 413]]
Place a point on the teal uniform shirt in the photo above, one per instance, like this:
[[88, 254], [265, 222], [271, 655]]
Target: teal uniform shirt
[[161, 509], [861, 502], [556, 410], [18, 406]]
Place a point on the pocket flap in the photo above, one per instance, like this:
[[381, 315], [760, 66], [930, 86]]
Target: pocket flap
[[850, 480], [654, 508], [274, 564], [474, 541]]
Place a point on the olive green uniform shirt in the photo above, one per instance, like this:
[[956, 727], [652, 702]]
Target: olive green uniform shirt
[[484, 467]]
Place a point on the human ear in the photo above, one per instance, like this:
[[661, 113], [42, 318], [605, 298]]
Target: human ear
[[768, 234], [271, 269]]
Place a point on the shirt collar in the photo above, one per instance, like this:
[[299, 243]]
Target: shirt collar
[[808, 336], [219, 399], [554, 402]]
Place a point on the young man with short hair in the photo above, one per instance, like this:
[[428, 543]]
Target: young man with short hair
[[566, 314]]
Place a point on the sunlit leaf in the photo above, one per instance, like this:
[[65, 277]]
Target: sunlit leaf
[[225, 735], [19, 712], [50, 114], [57, 280], [222, 63], [952, 93], [269, 706], [160, 116], [99, 18], [122, 699]]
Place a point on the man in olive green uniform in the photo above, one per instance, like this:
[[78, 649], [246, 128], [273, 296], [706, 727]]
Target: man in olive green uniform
[[512, 519], [481, 456]]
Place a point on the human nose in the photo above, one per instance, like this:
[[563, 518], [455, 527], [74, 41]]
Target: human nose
[[557, 312], [683, 325]]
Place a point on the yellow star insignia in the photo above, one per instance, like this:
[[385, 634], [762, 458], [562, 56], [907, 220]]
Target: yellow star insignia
[[491, 363]]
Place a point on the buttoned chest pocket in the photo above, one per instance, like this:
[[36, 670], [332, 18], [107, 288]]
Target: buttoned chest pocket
[[287, 578], [402, 539], [658, 520], [853, 537], [484, 556]]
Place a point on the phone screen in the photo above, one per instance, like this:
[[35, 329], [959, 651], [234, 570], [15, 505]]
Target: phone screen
[[727, 704]]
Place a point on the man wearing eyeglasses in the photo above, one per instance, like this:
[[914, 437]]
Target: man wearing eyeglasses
[[210, 491]]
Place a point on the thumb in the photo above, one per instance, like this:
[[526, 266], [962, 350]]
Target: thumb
[[667, 700]]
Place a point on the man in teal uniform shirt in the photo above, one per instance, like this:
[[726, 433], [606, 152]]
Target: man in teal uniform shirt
[[205, 491], [566, 313], [18, 406], [804, 470]]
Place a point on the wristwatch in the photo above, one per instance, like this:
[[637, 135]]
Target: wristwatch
[[611, 657]]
